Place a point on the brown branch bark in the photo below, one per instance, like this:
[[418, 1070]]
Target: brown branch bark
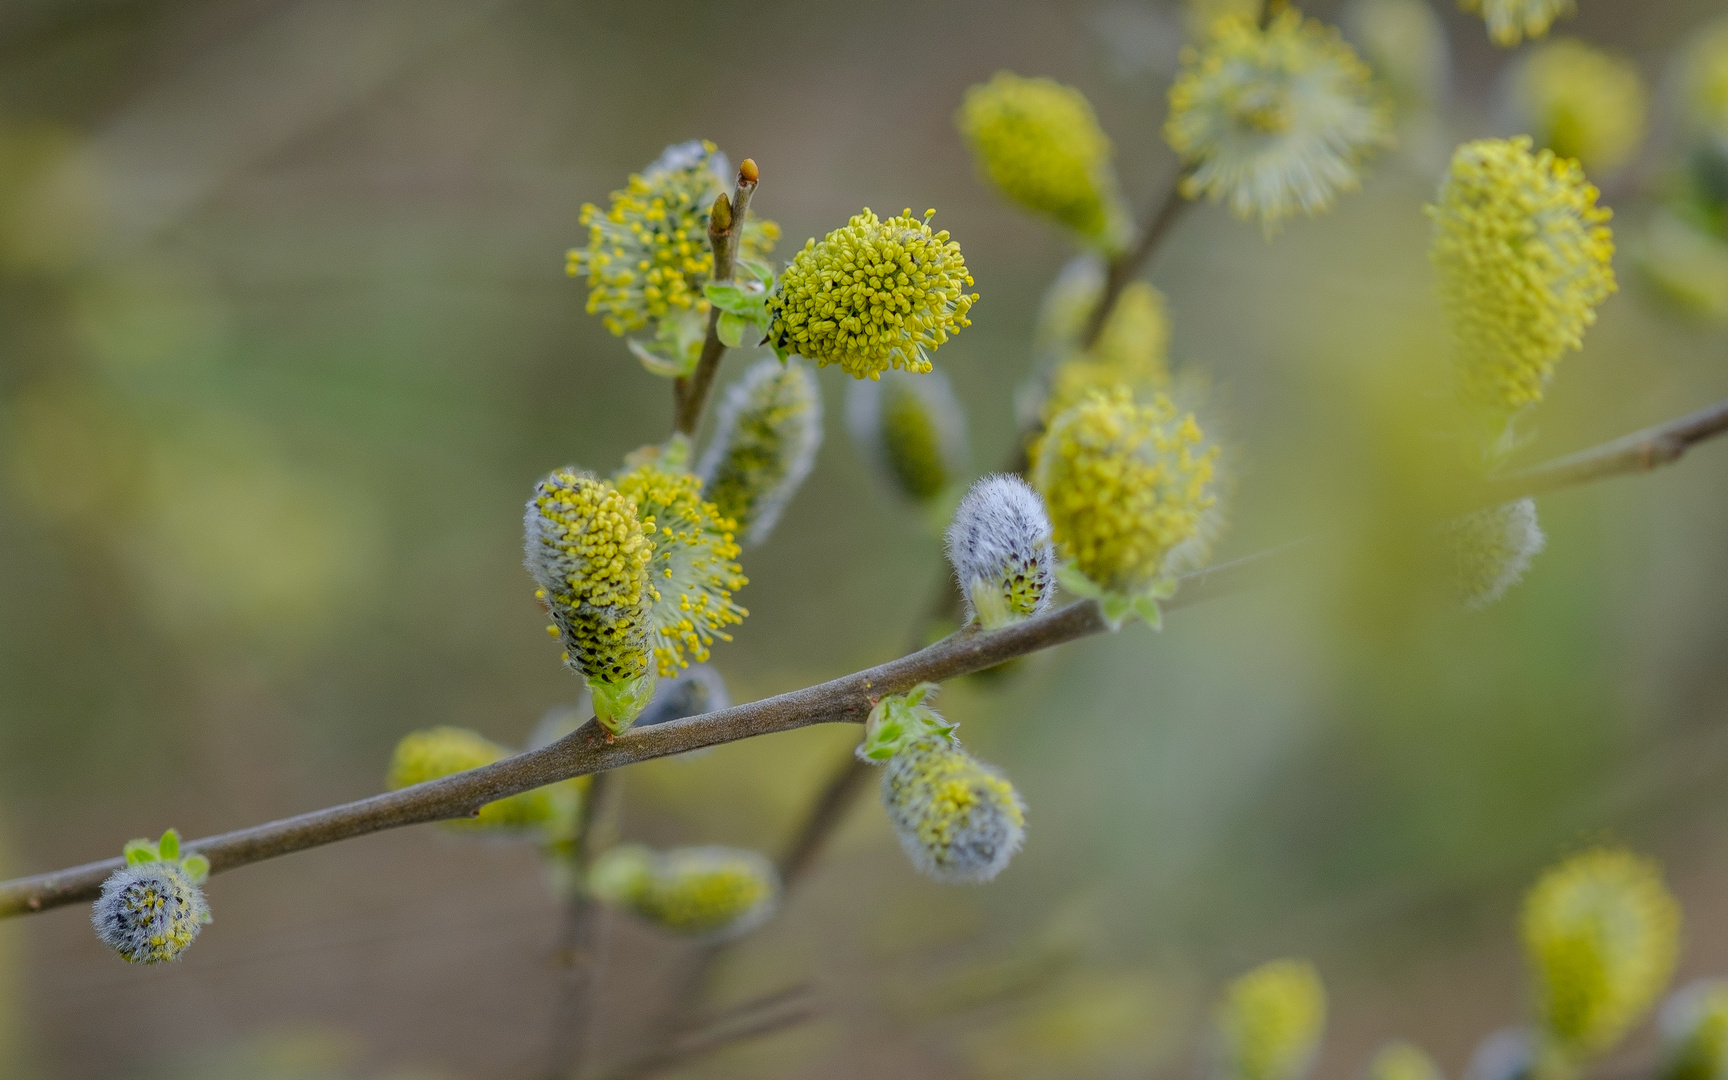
[[844, 700], [1125, 267], [580, 946], [690, 394]]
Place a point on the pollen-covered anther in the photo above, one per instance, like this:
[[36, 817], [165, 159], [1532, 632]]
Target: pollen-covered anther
[[876, 295], [768, 429], [1274, 119], [1000, 547]]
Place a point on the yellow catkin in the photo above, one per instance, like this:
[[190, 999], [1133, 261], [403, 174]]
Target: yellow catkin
[[1269, 1022], [958, 820], [1523, 256], [704, 892], [443, 751], [1582, 103]]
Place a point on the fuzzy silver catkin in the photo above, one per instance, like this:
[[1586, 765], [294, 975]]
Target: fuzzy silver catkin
[[767, 431], [999, 545], [1491, 550], [911, 430], [149, 913], [958, 819]]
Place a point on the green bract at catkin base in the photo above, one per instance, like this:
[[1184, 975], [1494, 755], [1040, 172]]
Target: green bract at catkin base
[[911, 430], [1511, 21], [1602, 934], [876, 295], [590, 553], [1269, 1023], [1274, 120], [1126, 486], [1039, 143], [767, 431], [152, 909], [708, 893]]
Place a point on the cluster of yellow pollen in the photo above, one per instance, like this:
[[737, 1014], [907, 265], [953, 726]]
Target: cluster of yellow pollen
[[1039, 142], [694, 570], [590, 552], [444, 751], [875, 295], [693, 892], [648, 253], [1602, 934], [1124, 484], [1132, 351], [1523, 257], [1276, 119], [1511, 21], [1582, 103], [1269, 1022], [957, 819]]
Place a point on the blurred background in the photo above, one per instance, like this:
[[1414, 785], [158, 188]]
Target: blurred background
[[285, 340]]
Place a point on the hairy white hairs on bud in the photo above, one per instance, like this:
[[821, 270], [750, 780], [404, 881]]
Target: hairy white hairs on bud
[[150, 912], [1491, 549], [999, 545], [767, 431], [911, 430], [958, 819]]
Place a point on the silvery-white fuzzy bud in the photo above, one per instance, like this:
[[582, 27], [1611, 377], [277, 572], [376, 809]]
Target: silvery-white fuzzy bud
[[912, 431], [150, 912], [1491, 549], [958, 819], [767, 431], [999, 544]]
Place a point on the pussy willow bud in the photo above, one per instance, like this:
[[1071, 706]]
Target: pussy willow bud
[[958, 819], [151, 909], [999, 545], [1491, 549], [720, 216], [648, 254], [912, 432], [1268, 1024], [1523, 257], [1402, 1061], [1581, 103], [711, 893], [1040, 144], [1508, 1054], [1694, 1027], [1602, 934], [589, 552], [1511, 21], [442, 751], [876, 295], [768, 428], [1125, 485], [1273, 120]]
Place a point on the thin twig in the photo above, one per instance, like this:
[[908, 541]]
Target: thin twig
[[844, 700], [751, 1020], [1125, 267], [580, 945], [691, 394]]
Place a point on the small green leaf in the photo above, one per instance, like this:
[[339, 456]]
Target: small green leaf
[[139, 851], [1147, 608], [1116, 609], [169, 849], [726, 297], [1070, 578], [657, 364], [731, 329], [197, 867]]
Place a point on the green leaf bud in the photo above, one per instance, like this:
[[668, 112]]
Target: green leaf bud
[[1491, 550], [767, 430], [152, 909], [709, 893], [912, 432], [443, 751], [1694, 1028], [1602, 933], [999, 545], [958, 819], [898, 720], [1269, 1023]]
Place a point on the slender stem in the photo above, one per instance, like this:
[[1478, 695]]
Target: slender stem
[[1125, 267], [752, 1020], [580, 943], [844, 700], [691, 394]]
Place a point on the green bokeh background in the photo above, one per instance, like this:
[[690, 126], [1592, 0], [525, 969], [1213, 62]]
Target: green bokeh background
[[285, 341]]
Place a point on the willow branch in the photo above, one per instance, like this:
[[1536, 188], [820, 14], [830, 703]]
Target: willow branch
[[1126, 266], [691, 393], [751, 1020], [579, 946], [844, 700]]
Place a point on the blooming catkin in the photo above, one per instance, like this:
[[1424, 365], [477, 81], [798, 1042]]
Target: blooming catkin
[[999, 544], [1491, 549], [1511, 21], [876, 295], [150, 912], [442, 751], [1580, 102], [693, 573], [1402, 1061], [1694, 1027], [712, 893], [1601, 932], [648, 254], [1268, 1024], [911, 430], [958, 820], [1273, 120], [1523, 257], [1124, 485], [589, 552], [768, 428], [1039, 143]]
